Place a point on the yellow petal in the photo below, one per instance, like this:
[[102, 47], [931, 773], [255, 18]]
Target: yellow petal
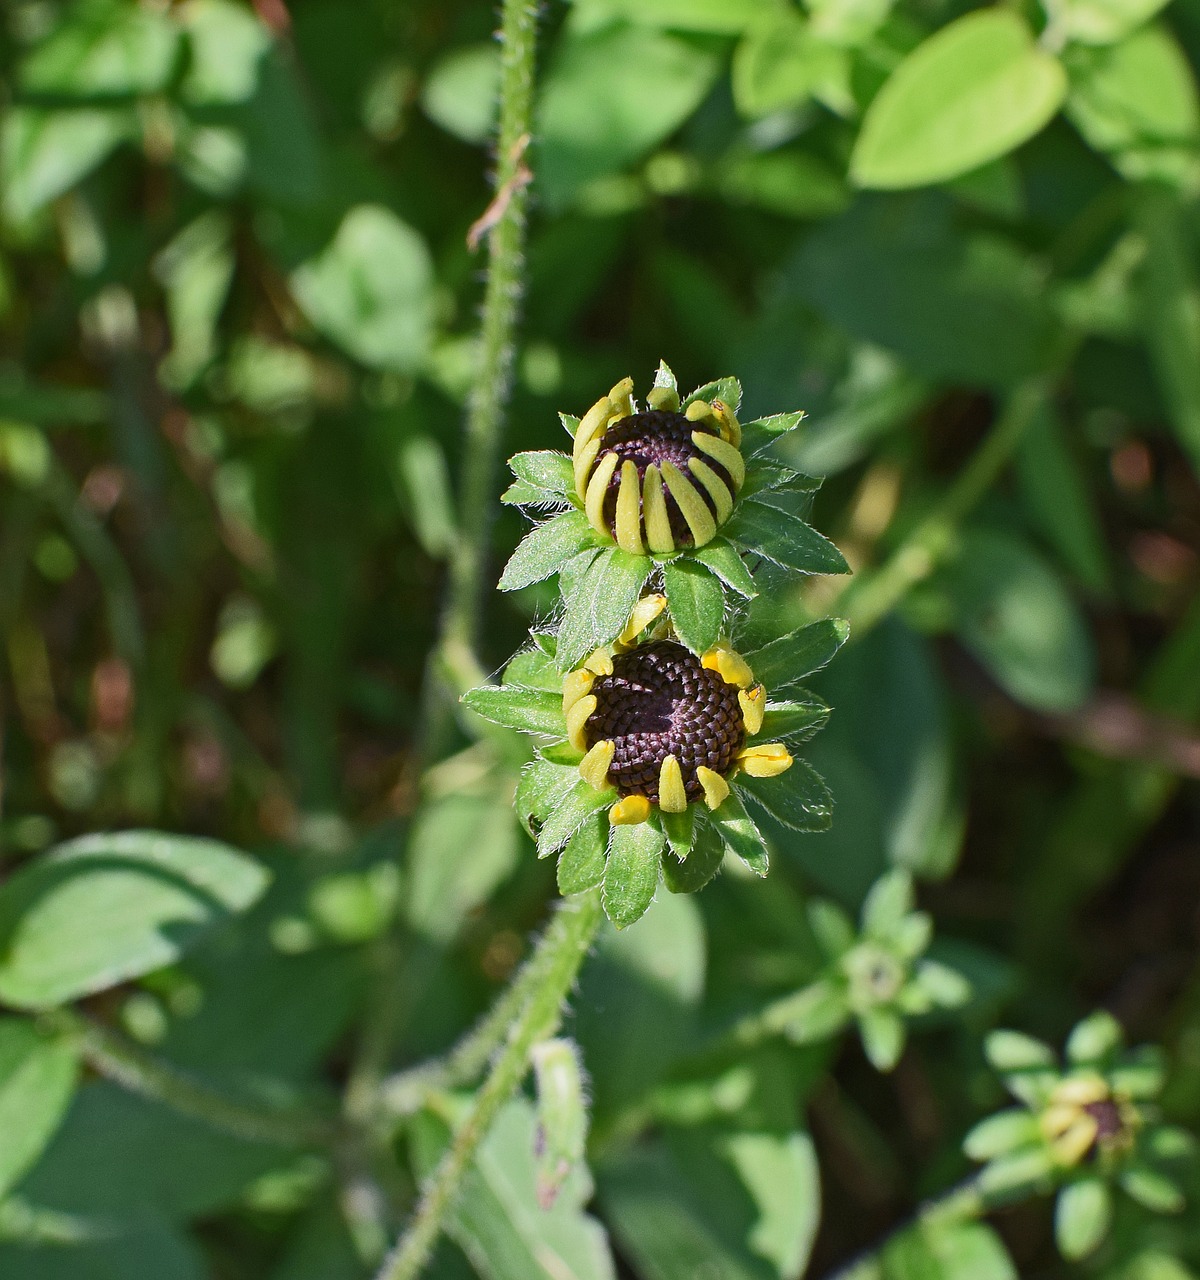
[[1077, 1141], [576, 718], [591, 424], [695, 510], [621, 398], [583, 465], [629, 812], [575, 686], [765, 760], [600, 661], [654, 512], [729, 427], [664, 398], [730, 666], [672, 798], [717, 489], [1057, 1119], [716, 789], [644, 612], [629, 510], [698, 411], [1082, 1089], [722, 452], [593, 767], [753, 703], [597, 489]]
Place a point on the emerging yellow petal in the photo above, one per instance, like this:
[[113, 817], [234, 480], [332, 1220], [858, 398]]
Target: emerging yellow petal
[[722, 452], [621, 398], [730, 666], [583, 465], [600, 661], [591, 425], [593, 767], [672, 798], [698, 411], [576, 685], [597, 490], [577, 717], [644, 612], [716, 789], [765, 760], [754, 706], [663, 398], [727, 424], [630, 811], [654, 512], [695, 510], [716, 488], [629, 510], [1077, 1141]]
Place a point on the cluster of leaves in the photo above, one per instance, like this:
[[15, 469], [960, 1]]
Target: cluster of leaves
[[236, 315]]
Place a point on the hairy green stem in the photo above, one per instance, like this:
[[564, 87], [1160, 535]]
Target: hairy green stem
[[869, 598], [129, 1066], [563, 947]]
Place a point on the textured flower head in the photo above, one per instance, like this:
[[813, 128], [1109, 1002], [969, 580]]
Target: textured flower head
[[1081, 1128], [653, 757], [660, 478]]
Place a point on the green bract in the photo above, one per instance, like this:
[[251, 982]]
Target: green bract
[[1083, 1128]]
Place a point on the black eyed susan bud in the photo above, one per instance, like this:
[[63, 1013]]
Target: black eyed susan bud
[[660, 479], [1086, 1120]]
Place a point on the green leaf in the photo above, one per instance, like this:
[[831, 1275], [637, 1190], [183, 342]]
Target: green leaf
[[939, 983], [1005, 1131], [947, 1248], [1018, 1174], [1137, 103], [680, 830], [542, 477], [107, 908], [498, 1221], [540, 790], [142, 1245], [371, 290], [1082, 1215], [798, 798], [793, 720], [599, 607], [696, 602], [722, 558], [533, 668], [972, 92], [532, 710], [1104, 21], [789, 542], [544, 549], [1013, 1051], [631, 877], [717, 16], [581, 863], [890, 899], [609, 96], [1094, 1039], [882, 1035], [111, 51], [816, 1012], [782, 63], [727, 389], [783, 662], [762, 433], [740, 834], [831, 926], [698, 867], [460, 91], [1152, 1189], [37, 1081], [571, 811]]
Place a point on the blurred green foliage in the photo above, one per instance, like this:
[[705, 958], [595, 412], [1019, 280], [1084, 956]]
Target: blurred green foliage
[[237, 331]]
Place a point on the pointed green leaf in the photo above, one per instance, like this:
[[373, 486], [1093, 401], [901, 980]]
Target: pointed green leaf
[[700, 865], [972, 92], [533, 710], [763, 477], [944, 986], [572, 810], [887, 902], [600, 605], [784, 539], [561, 753], [735, 826], [572, 574], [533, 669], [544, 549], [581, 864], [798, 798], [540, 789], [1014, 1176], [1013, 1051], [1005, 1131], [798, 654], [37, 1080], [696, 602], [724, 560], [1082, 1215], [570, 423], [882, 1035], [680, 830], [1152, 1189], [794, 720], [1094, 1039], [727, 389], [547, 470], [631, 876], [664, 379], [762, 433]]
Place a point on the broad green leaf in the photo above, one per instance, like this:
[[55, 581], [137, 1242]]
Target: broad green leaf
[[533, 710], [798, 798], [37, 1080], [793, 720], [497, 1220], [533, 668], [544, 476], [1082, 1214], [581, 863], [1104, 21], [725, 561], [947, 1248], [740, 834], [570, 812], [609, 96], [107, 908], [766, 478], [701, 864], [44, 153], [540, 789], [144, 1245], [762, 433], [226, 48], [459, 93], [370, 290], [631, 877], [544, 549], [1094, 1039], [727, 389], [1005, 1131], [1137, 103], [696, 602], [800, 653], [781, 63], [972, 92], [599, 607], [782, 538]]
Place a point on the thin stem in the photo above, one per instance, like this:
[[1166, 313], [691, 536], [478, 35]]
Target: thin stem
[[564, 945], [113, 1057], [869, 598]]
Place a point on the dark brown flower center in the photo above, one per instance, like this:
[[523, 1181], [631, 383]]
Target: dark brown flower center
[[654, 437], [660, 701]]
